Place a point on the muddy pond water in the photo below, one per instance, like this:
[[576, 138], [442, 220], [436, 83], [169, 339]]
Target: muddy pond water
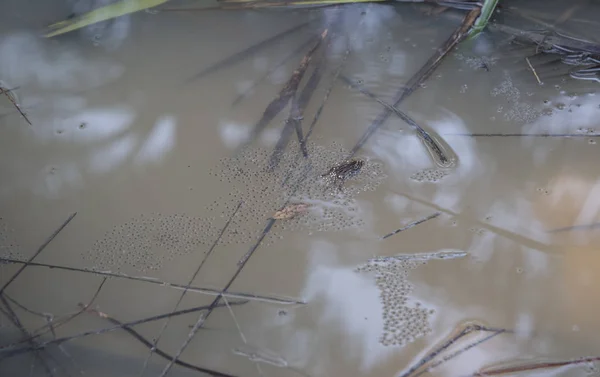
[[146, 187]]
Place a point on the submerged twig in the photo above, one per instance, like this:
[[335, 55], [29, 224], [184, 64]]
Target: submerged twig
[[440, 152], [6, 92], [203, 290], [418, 78], [39, 250], [191, 280], [152, 345], [246, 52], [12, 349], [433, 216]]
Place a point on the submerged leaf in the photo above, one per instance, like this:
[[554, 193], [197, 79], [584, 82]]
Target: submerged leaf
[[290, 211], [104, 13]]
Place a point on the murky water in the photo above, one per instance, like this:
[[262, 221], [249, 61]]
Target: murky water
[[180, 202]]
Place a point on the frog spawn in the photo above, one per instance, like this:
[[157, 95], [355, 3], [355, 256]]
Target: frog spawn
[[256, 190], [147, 241], [402, 323], [265, 189]]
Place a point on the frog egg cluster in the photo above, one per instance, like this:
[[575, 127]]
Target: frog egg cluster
[[402, 323], [265, 187], [429, 175], [9, 248], [147, 241]]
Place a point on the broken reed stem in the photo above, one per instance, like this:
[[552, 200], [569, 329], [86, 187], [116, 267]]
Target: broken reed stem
[[246, 92], [433, 216], [208, 291], [286, 93], [13, 350], [460, 333], [6, 92], [534, 72], [418, 78], [191, 280], [246, 52], [534, 366], [457, 353], [39, 250], [152, 345]]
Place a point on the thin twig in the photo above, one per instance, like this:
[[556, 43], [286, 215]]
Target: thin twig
[[15, 104], [13, 349], [39, 250], [534, 72], [153, 347], [191, 280], [418, 78], [203, 290], [246, 52], [433, 216]]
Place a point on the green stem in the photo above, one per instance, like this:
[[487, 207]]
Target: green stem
[[486, 13]]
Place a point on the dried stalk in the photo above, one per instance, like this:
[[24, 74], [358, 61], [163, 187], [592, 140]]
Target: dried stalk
[[460, 333], [208, 291]]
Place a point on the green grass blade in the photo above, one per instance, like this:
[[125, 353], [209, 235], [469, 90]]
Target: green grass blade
[[107, 12]]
